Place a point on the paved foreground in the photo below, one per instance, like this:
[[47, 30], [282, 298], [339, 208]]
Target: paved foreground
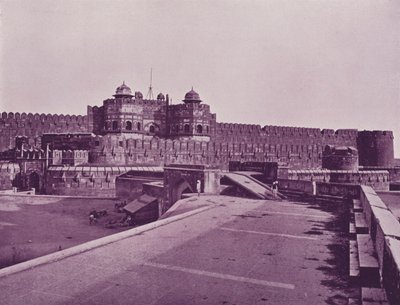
[[239, 251]]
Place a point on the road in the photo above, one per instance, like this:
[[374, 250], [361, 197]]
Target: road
[[239, 251]]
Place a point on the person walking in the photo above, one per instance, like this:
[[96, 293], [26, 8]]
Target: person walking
[[275, 188], [198, 187]]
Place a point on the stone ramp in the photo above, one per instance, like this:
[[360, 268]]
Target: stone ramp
[[250, 184]]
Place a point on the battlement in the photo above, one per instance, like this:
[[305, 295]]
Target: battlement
[[287, 130], [33, 125], [377, 133], [55, 118], [238, 127], [153, 131]]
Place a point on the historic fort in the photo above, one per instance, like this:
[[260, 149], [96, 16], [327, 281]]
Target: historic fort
[[152, 153], [45, 151]]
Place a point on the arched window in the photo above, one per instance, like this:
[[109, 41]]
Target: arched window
[[106, 125], [199, 129], [114, 125], [186, 128], [128, 125], [207, 129], [138, 126], [152, 129]]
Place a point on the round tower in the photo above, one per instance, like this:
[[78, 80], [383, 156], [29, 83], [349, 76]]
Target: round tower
[[340, 158], [375, 148], [119, 116]]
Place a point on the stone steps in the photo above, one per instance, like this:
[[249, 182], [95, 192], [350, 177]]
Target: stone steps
[[354, 263], [369, 266], [360, 223], [357, 207], [352, 230], [363, 262], [373, 296]]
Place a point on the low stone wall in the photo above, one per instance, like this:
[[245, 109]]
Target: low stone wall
[[394, 172], [338, 189], [385, 233], [14, 191], [322, 188], [378, 179], [296, 185], [82, 188]]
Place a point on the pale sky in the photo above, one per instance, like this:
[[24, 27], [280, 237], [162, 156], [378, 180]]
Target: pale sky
[[325, 64]]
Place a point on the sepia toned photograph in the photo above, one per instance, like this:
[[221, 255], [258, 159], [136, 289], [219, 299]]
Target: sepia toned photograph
[[205, 152]]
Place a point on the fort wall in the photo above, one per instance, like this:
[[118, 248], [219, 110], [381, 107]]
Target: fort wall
[[242, 145], [95, 180], [295, 147], [376, 148], [34, 125], [81, 181]]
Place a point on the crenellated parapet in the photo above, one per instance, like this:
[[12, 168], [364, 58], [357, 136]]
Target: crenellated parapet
[[112, 149], [33, 125], [128, 128]]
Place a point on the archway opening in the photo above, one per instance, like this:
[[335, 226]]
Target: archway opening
[[128, 125], [114, 125], [181, 187], [186, 128], [34, 181]]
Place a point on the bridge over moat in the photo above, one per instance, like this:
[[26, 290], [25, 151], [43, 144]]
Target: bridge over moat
[[232, 250]]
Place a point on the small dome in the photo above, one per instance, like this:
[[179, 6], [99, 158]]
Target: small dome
[[160, 96], [123, 90], [192, 97], [138, 95]]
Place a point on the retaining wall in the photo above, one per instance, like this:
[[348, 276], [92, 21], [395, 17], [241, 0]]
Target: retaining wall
[[322, 188], [378, 179], [385, 233]]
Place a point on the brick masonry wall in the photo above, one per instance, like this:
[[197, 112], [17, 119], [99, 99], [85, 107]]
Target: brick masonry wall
[[81, 182], [34, 125], [293, 146], [123, 150]]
